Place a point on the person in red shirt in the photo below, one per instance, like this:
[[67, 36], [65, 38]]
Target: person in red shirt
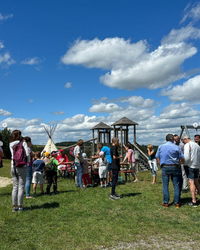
[[64, 159]]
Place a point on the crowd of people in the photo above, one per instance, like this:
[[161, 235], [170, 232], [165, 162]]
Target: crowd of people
[[179, 160]]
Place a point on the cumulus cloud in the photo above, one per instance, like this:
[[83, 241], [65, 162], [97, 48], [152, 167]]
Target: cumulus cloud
[[5, 113], [105, 108], [192, 12], [32, 61], [58, 113], [131, 65], [68, 85], [189, 91], [6, 60], [1, 45], [5, 17], [136, 101], [31, 100]]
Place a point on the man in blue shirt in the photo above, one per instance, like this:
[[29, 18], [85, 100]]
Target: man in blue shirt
[[170, 158]]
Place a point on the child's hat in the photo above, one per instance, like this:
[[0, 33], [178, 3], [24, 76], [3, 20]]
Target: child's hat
[[84, 154], [54, 153], [46, 153], [101, 153]]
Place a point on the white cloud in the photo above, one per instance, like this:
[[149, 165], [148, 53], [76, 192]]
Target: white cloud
[[180, 35], [105, 108], [132, 66], [5, 113], [58, 113], [6, 60], [193, 13], [68, 85], [189, 91], [32, 61], [3, 18], [31, 100], [105, 54], [1, 45]]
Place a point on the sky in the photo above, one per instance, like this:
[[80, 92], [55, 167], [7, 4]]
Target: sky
[[77, 63]]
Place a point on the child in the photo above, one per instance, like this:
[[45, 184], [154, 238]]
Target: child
[[85, 172], [52, 174], [152, 161], [38, 168], [103, 173]]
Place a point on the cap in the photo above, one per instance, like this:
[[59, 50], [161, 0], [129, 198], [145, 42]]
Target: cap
[[54, 153], [61, 150], [84, 154], [101, 153]]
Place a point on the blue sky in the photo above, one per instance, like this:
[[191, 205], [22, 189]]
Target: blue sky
[[76, 63]]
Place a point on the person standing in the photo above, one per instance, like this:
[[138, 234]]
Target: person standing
[[78, 161], [152, 161], [184, 180], [170, 157], [115, 166], [18, 173], [192, 165]]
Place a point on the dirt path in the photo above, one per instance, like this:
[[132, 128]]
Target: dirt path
[[4, 181]]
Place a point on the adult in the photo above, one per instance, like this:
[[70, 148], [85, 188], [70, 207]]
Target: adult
[[131, 160], [107, 154], [184, 180], [78, 161], [29, 176], [192, 165], [18, 174], [63, 159], [152, 161], [197, 139], [115, 166], [170, 157], [1, 153]]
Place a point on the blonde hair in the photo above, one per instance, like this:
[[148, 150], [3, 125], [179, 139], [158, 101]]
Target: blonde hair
[[150, 146]]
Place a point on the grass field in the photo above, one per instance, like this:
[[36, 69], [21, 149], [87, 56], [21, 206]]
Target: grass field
[[88, 219]]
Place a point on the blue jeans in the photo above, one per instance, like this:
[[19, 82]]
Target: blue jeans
[[79, 173], [175, 174], [28, 180]]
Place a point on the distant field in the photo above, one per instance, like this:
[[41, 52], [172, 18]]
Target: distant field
[[88, 219]]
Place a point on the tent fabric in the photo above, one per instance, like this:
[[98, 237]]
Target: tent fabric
[[50, 146]]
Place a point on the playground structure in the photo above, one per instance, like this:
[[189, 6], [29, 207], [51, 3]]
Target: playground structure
[[120, 130], [187, 127]]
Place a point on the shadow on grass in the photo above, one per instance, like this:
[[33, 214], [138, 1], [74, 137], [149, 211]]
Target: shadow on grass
[[131, 194], [43, 206]]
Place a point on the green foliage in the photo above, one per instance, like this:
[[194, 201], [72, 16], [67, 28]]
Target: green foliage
[[5, 138], [88, 219]]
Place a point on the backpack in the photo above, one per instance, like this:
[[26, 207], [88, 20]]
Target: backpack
[[49, 166], [71, 152], [19, 155]]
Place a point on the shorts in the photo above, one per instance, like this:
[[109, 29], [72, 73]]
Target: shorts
[[103, 173], [109, 167], [192, 173], [38, 178]]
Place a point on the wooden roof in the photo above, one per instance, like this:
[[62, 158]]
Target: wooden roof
[[102, 125], [124, 121]]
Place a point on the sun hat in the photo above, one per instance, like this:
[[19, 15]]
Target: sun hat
[[84, 155]]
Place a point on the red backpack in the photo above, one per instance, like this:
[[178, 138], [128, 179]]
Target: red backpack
[[71, 152], [19, 155]]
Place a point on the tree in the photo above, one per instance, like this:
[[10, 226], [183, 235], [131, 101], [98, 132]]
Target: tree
[[5, 138]]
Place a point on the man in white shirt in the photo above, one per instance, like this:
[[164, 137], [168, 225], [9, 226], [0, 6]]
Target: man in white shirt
[[192, 165]]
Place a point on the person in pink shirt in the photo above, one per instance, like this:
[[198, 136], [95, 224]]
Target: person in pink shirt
[[64, 159]]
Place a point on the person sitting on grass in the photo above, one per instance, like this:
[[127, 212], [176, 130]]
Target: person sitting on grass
[[38, 168], [52, 173], [152, 161], [85, 176]]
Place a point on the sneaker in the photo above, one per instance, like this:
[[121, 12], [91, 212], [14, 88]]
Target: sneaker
[[113, 197], [84, 186], [102, 186], [105, 185], [192, 204], [118, 195], [165, 204], [177, 205], [91, 185], [136, 181], [15, 209], [20, 209]]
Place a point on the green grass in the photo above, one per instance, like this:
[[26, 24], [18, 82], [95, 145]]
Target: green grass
[[88, 219]]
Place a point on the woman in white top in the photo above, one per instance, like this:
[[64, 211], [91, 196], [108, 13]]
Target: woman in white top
[[18, 173]]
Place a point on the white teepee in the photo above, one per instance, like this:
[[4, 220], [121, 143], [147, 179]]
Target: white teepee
[[50, 146]]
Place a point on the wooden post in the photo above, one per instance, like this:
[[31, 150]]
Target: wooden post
[[126, 134], [93, 142], [134, 133], [121, 140]]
